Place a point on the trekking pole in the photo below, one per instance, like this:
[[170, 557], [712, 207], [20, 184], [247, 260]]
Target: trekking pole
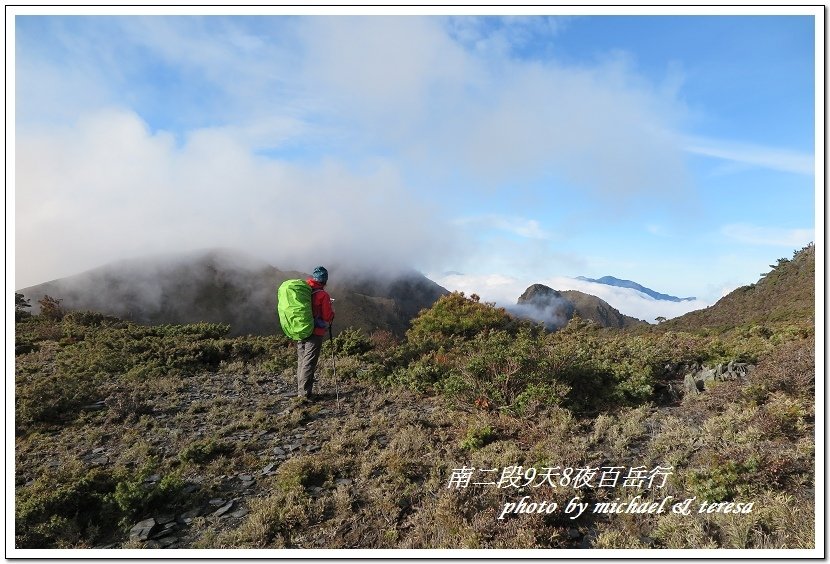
[[334, 368]]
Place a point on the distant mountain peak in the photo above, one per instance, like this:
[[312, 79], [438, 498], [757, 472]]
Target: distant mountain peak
[[554, 308], [620, 283]]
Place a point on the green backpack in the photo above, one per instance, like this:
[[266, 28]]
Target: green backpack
[[294, 309]]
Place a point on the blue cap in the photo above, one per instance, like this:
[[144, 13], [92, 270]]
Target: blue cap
[[320, 274]]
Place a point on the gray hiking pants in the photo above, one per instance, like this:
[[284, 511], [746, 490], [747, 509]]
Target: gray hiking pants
[[308, 353]]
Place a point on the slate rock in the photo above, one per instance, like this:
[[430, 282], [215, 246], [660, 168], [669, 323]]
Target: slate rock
[[188, 516], [224, 509], [144, 529], [191, 488], [699, 378], [239, 513], [98, 405], [588, 540], [708, 376], [166, 542], [692, 386], [165, 519]]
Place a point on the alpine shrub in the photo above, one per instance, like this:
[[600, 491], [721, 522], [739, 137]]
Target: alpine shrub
[[20, 305], [351, 342], [206, 450], [455, 315], [60, 508], [50, 308], [477, 437]]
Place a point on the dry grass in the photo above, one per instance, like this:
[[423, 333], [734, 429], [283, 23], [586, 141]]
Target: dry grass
[[373, 469]]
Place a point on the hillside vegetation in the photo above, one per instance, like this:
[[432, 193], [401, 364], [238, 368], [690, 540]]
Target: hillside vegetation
[[179, 436], [227, 286], [786, 295]]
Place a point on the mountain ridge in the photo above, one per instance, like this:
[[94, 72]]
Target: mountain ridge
[[783, 296], [621, 283], [555, 308], [228, 286]]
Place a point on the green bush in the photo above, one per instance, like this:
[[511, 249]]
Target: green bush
[[723, 480], [20, 307], [136, 496], [253, 348], [499, 368], [206, 450], [422, 374], [61, 508], [477, 437], [197, 330], [351, 342], [50, 308], [51, 397], [90, 319], [476, 355], [454, 315]]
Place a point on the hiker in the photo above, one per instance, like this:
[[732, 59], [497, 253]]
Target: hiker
[[308, 349]]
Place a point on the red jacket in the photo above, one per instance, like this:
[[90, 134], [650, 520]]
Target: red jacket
[[321, 308]]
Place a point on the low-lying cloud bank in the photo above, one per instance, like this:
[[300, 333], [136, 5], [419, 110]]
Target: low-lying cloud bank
[[504, 291], [629, 301], [109, 188]]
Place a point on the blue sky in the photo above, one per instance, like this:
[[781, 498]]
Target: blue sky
[[488, 152]]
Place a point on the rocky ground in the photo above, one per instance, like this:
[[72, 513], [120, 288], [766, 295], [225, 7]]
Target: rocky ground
[[367, 466], [257, 420]]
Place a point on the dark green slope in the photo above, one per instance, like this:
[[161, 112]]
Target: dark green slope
[[784, 296]]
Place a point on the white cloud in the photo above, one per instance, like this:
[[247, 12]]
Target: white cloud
[[769, 236], [397, 85], [502, 35], [405, 85], [109, 188], [499, 288], [347, 97], [629, 301], [520, 226], [598, 128], [753, 155], [505, 290]]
